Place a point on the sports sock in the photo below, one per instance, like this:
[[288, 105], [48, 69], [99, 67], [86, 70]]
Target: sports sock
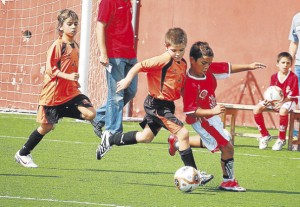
[[283, 123], [188, 158], [228, 165], [259, 119], [120, 139], [31, 143]]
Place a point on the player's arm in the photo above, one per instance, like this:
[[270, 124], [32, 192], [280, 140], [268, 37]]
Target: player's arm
[[236, 68], [218, 109], [100, 34], [124, 83]]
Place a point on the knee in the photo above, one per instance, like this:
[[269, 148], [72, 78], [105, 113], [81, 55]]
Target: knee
[[183, 134], [257, 109]]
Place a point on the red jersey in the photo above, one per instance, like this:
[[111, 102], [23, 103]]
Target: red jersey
[[57, 91], [165, 76], [117, 15], [200, 92], [290, 83]]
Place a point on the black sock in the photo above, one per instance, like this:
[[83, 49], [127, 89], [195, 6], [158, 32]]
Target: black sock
[[188, 158], [120, 139], [32, 141], [228, 164]]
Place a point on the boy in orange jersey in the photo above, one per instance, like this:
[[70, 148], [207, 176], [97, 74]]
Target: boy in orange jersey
[[60, 96], [166, 75]]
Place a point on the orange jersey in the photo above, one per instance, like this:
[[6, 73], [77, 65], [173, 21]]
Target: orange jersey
[[57, 91], [165, 76]]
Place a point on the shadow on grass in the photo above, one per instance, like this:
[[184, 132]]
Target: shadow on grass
[[115, 171]]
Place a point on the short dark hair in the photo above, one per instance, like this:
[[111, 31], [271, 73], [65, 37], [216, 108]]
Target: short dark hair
[[284, 54], [200, 49]]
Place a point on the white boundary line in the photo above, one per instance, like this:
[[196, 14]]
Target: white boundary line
[[59, 201], [146, 146]]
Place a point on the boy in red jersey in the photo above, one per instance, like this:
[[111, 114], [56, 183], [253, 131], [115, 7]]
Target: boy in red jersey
[[166, 75], [202, 110], [288, 82], [60, 96]]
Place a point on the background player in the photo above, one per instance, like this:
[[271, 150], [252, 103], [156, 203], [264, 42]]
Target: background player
[[288, 82], [60, 96]]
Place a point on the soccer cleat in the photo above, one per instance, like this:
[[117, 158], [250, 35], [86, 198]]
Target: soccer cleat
[[231, 186], [263, 142], [104, 147], [204, 177], [172, 148], [26, 160], [278, 145]]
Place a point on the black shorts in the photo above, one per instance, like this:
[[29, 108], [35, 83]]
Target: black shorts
[[160, 113], [51, 114]]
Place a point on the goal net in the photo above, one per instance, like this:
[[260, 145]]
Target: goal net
[[27, 29]]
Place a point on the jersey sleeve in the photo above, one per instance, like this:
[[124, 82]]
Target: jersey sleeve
[[154, 63], [221, 70], [53, 57]]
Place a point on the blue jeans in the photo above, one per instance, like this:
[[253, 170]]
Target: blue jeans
[[297, 71], [111, 113]]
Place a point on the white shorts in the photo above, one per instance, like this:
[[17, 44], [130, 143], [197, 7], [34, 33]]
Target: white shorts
[[212, 132], [290, 105]]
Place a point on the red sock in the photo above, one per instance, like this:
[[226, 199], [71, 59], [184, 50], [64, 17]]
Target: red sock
[[283, 123], [259, 119]]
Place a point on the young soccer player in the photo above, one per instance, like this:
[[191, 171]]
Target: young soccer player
[[288, 82], [202, 110], [60, 96], [166, 75]]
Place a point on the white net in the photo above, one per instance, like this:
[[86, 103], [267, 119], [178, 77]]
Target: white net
[[27, 29]]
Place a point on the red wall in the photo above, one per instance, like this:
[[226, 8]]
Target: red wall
[[239, 31]]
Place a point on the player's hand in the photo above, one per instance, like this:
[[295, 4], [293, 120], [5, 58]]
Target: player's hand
[[122, 84], [74, 76], [277, 106], [218, 109], [267, 103], [257, 65], [104, 59]]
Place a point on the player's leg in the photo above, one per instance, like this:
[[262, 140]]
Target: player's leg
[[122, 139], [47, 116], [259, 120], [23, 156], [283, 124], [227, 164]]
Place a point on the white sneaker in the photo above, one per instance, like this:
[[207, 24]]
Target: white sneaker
[[263, 142], [278, 145], [26, 161], [204, 177]]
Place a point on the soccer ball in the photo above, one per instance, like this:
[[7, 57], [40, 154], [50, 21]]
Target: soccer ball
[[187, 179], [273, 94]]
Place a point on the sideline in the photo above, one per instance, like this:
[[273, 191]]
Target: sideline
[[59, 201]]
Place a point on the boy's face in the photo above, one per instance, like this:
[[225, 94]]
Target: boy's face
[[176, 51], [69, 27], [200, 66], [284, 65]]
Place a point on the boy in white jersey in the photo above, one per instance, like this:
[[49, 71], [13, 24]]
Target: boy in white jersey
[[202, 110]]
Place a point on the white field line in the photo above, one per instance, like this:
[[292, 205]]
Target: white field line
[[59, 201], [146, 146]]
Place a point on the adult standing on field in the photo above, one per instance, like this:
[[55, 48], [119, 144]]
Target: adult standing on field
[[115, 39], [294, 48]]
